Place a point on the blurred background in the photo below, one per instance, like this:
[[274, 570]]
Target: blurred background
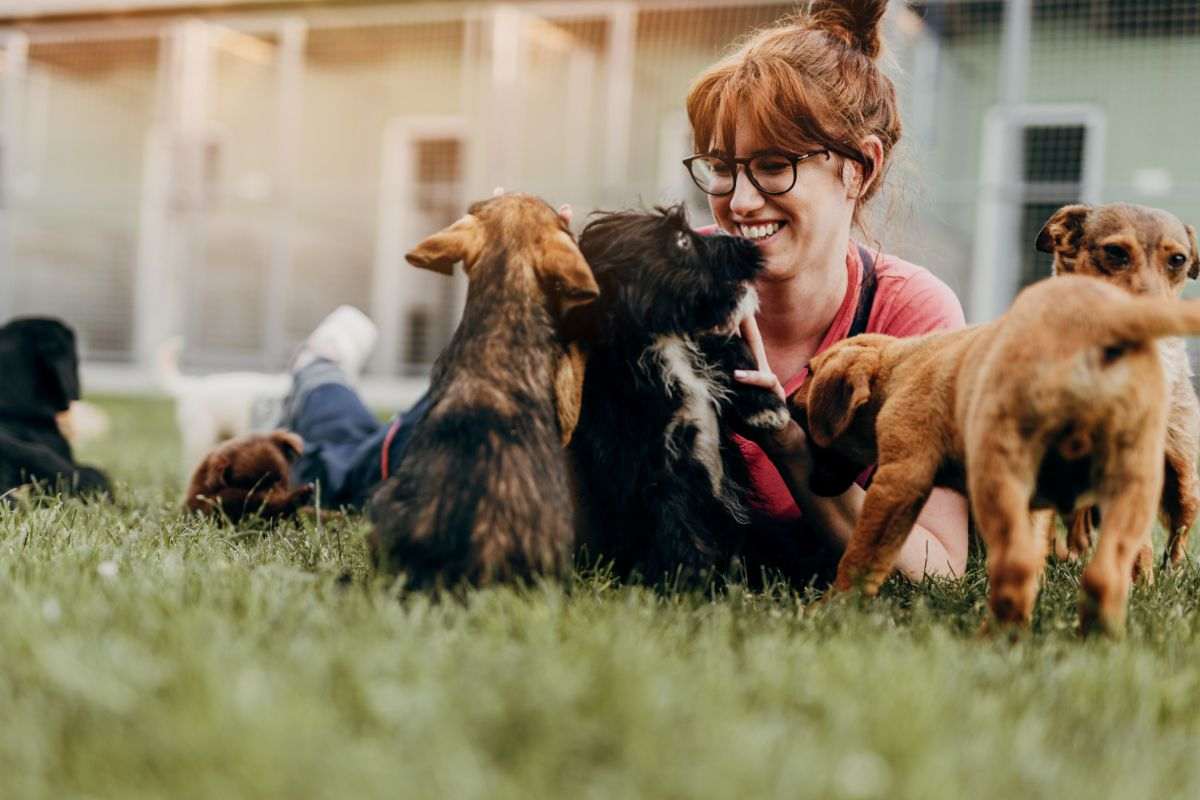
[[233, 171]]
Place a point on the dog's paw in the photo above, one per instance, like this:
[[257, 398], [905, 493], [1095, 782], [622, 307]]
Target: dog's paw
[[769, 420]]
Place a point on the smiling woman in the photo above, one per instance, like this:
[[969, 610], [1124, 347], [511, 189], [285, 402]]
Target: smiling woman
[[805, 115]]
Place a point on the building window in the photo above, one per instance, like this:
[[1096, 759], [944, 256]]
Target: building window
[[1053, 177]]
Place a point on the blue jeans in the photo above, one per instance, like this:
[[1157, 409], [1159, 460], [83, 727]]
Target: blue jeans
[[343, 441]]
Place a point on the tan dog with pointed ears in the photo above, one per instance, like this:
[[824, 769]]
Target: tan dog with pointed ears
[[1060, 403], [483, 493], [1146, 251]]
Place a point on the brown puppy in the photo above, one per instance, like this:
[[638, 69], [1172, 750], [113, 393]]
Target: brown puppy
[[249, 476], [1058, 403], [1145, 251], [483, 493]]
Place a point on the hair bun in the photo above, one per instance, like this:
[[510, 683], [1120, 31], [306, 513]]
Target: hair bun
[[855, 22]]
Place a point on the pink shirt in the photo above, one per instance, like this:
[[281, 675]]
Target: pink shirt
[[909, 301]]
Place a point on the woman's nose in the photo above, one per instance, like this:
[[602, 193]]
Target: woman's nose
[[746, 196]]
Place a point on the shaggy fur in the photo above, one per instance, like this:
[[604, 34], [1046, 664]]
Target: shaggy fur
[[1145, 251], [249, 476], [40, 370], [662, 479], [483, 493], [1060, 403]]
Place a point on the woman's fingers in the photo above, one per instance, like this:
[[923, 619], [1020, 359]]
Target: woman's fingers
[[761, 378], [753, 338]]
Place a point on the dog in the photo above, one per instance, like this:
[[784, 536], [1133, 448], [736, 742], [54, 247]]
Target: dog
[[1059, 403], [83, 422], [663, 483], [483, 493], [249, 476], [1150, 252], [40, 365], [210, 409]]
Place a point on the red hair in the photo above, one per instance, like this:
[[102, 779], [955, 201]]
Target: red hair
[[810, 81]]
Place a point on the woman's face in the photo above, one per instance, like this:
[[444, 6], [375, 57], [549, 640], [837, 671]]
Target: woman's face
[[807, 222]]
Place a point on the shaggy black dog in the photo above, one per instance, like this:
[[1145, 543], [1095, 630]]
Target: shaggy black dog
[[663, 483], [482, 494], [40, 372]]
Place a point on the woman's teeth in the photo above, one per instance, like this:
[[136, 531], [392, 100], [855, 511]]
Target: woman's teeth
[[757, 232]]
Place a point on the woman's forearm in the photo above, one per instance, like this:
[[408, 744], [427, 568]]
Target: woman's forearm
[[936, 546]]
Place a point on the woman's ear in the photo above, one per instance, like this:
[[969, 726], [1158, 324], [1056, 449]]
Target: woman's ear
[[859, 178]]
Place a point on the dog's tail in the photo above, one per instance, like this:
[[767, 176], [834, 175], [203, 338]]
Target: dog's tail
[[1139, 319], [166, 363]]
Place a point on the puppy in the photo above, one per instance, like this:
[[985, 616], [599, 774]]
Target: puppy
[[662, 480], [211, 409], [247, 476], [40, 369], [1059, 403], [483, 494], [1145, 251]]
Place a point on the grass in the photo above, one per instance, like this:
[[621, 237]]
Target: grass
[[147, 654]]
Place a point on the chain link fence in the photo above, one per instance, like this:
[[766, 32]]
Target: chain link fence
[[233, 176]]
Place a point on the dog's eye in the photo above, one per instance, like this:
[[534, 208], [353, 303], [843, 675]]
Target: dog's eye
[[1177, 261], [683, 241], [1116, 253]]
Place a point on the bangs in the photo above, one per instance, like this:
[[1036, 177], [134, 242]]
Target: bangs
[[767, 96]]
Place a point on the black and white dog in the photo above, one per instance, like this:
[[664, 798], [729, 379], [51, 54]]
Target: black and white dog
[[664, 487], [40, 370]]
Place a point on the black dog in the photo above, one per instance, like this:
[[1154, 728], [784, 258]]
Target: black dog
[[663, 484], [40, 372]]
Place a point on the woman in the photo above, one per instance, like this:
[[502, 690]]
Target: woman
[[793, 133]]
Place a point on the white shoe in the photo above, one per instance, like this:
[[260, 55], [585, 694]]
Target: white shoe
[[346, 337]]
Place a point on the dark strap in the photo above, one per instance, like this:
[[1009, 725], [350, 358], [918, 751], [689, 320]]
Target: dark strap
[[866, 294]]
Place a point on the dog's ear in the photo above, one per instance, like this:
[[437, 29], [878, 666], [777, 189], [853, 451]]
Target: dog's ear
[[58, 365], [462, 241], [838, 389], [1194, 267], [832, 473], [1063, 232], [217, 471], [290, 443], [567, 274]]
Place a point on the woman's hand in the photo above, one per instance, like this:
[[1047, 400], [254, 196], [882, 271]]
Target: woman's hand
[[788, 440], [762, 377]]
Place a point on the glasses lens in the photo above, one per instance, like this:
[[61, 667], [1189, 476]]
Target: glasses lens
[[712, 175], [774, 174]]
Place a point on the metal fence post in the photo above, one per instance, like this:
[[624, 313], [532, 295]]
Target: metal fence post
[[290, 88], [15, 58]]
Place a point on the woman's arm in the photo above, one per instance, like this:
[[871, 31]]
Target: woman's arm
[[937, 545]]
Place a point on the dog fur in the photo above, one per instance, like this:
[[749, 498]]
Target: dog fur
[[249, 476], [211, 409], [40, 369], [1146, 251], [1060, 403], [663, 482], [483, 492]]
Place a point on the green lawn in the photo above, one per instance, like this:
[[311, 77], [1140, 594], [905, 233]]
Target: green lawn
[[146, 654]]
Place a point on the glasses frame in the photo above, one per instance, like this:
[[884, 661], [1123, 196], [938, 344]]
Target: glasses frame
[[733, 163]]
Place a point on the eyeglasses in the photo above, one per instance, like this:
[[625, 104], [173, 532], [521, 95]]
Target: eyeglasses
[[770, 173]]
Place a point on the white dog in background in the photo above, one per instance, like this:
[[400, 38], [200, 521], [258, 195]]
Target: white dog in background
[[209, 409]]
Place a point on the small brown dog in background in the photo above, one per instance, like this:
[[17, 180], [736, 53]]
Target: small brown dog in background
[[483, 493], [248, 476], [1146, 251], [1060, 403]]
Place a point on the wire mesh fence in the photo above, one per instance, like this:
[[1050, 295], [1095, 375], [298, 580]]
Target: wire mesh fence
[[234, 175]]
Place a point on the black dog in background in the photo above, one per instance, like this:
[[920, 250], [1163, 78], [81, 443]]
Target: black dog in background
[[39, 377], [663, 484]]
